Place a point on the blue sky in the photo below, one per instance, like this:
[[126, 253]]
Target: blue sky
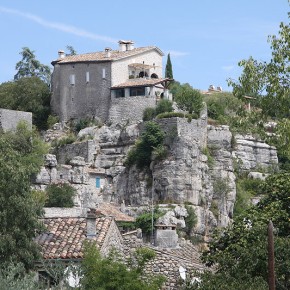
[[206, 38]]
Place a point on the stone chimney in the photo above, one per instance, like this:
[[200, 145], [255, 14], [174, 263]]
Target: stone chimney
[[108, 51], [125, 45], [91, 223], [61, 54]]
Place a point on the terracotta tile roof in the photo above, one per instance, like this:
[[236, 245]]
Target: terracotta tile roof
[[108, 209], [140, 82], [64, 238], [102, 55]]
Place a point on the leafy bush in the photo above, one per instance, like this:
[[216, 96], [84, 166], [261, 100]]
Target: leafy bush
[[109, 273], [148, 114], [190, 220], [222, 104], [163, 106], [82, 124], [69, 139], [51, 120], [151, 138], [60, 195], [177, 114], [144, 221], [189, 99]]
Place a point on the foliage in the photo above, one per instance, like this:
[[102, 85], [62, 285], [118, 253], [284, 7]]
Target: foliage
[[21, 156], [162, 107], [82, 124], [149, 114], [189, 99], [168, 68], [246, 189], [141, 153], [108, 273], [221, 186], [210, 160], [60, 195], [51, 120], [241, 250], [71, 50], [178, 115], [29, 66], [222, 105], [144, 221], [29, 94], [268, 82], [190, 220], [281, 138], [69, 139], [15, 277]]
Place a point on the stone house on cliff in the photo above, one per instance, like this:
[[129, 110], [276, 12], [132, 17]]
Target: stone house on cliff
[[107, 84]]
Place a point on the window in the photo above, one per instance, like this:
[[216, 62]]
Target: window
[[120, 93], [137, 91], [87, 77], [98, 182], [103, 73], [72, 79]]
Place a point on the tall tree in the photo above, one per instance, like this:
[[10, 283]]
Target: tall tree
[[109, 273], [21, 155], [29, 66], [29, 94], [239, 252], [269, 81], [71, 50], [168, 68]]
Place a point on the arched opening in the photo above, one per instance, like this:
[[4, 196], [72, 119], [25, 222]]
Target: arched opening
[[154, 76], [143, 74]]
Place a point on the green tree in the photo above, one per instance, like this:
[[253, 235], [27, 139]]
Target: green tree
[[29, 66], [188, 99], [71, 50], [29, 94], [168, 68], [151, 138], [21, 155], [109, 273], [269, 81], [240, 250], [60, 195]]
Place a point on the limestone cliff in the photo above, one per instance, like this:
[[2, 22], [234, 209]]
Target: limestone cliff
[[198, 169]]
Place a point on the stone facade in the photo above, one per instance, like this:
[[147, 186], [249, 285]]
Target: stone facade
[[81, 84], [83, 98], [129, 110], [9, 119]]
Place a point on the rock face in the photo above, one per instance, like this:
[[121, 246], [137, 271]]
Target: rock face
[[198, 170], [253, 153]]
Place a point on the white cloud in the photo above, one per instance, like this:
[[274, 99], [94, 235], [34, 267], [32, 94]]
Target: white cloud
[[58, 26], [175, 53], [228, 67]]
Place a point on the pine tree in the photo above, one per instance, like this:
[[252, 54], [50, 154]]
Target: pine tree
[[168, 69]]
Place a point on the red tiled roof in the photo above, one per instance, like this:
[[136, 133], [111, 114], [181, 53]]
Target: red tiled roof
[[64, 238], [102, 55], [111, 210], [139, 82]]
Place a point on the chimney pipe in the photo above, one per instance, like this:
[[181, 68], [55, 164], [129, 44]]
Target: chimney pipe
[[91, 223], [61, 54], [108, 51]]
